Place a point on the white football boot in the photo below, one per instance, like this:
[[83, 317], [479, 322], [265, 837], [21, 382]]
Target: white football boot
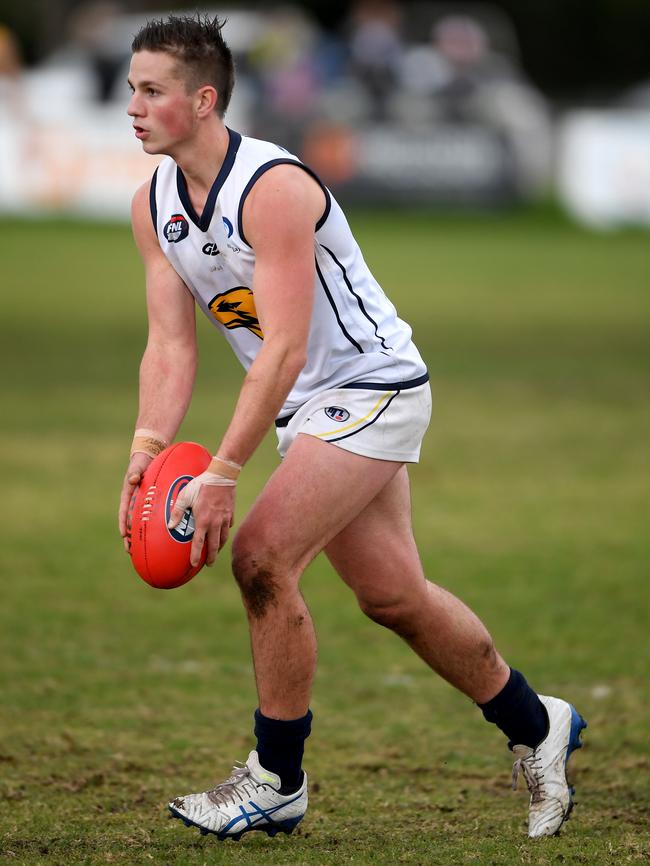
[[544, 768], [249, 800]]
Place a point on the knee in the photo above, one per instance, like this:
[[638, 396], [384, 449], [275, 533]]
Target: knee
[[392, 613], [264, 570], [256, 571]]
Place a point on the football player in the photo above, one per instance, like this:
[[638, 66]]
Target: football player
[[248, 233]]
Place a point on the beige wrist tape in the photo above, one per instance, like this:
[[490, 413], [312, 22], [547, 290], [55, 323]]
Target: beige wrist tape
[[149, 442], [226, 468]]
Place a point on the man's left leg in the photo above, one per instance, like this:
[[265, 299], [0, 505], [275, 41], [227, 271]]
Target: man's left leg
[[377, 557]]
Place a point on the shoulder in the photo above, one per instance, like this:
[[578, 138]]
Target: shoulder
[[146, 196], [141, 217], [285, 180], [284, 197], [140, 199]]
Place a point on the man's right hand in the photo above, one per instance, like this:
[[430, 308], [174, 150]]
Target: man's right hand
[[136, 469]]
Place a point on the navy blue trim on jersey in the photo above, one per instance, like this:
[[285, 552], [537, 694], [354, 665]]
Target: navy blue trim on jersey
[[336, 312], [262, 170], [369, 424], [358, 298], [153, 207], [203, 221], [389, 386], [328, 199]]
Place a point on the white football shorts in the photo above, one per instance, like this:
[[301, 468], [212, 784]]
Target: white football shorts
[[386, 425]]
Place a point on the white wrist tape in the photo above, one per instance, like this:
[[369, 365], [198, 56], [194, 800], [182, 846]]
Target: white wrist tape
[[190, 493]]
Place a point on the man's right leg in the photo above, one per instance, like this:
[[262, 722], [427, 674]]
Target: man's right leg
[[317, 490]]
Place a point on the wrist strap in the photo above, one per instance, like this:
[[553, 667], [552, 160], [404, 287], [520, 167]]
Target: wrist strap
[[226, 468], [146, 441]]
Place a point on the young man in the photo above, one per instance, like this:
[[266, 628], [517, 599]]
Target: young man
[[243, 229]]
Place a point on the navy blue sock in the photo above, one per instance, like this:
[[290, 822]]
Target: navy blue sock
[[280, 747], [518, 712]]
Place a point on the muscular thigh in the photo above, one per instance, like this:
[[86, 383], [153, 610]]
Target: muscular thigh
[[375, 553], [316, 491]]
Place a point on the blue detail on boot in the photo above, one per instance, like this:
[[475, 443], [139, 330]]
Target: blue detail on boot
[[578, 724], [271, 829]]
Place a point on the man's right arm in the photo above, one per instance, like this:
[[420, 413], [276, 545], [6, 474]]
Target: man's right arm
[[169, 362]]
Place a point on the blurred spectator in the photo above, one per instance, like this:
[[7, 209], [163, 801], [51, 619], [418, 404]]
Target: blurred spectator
[[458, 78], [470, 66], [289, 63], [11, 67], [376, 51], [455, 66], [282, 58], [93, 31], [284, 72], [10, 59]]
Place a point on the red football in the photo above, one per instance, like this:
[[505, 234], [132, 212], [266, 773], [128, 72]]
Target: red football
[[161, 556]]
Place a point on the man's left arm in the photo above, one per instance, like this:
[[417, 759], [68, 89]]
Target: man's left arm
[[279, 216]]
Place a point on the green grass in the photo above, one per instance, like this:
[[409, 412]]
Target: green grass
[[531, 503]]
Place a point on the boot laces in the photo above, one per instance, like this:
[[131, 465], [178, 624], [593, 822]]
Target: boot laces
[[236, 787], [530, 767]]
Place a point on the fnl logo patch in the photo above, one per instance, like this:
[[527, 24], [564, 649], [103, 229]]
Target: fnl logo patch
[[185, 529], [176, 229]]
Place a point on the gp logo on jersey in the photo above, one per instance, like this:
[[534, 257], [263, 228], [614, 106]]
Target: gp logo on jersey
[[236, 309], [336, 413], [176, 229], [184, 531]]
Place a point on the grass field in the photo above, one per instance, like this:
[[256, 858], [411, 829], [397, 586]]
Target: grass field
[[531, 503]]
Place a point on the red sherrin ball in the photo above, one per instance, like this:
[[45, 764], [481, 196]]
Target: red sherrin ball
[[161, 556]]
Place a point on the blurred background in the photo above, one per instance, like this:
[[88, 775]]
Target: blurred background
[[494, 161], [451, 104]]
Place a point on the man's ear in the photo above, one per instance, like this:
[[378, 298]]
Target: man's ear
[[206, 100]]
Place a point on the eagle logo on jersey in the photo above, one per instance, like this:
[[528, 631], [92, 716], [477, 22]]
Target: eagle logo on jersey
[[236, 309]]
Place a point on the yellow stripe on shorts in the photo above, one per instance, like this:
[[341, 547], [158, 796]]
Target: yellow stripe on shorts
[[377, 405]]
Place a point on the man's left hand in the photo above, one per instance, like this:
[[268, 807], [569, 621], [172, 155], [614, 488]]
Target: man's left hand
[[212, 500]]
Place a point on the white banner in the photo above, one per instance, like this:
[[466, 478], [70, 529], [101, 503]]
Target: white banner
[[88, 164], [604, 167]]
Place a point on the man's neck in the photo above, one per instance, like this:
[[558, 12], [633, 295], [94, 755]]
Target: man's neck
[[201, 158]]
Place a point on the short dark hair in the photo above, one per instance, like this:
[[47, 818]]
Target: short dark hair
[[198, 44]]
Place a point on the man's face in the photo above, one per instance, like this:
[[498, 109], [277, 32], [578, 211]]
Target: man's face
[[162, 111]]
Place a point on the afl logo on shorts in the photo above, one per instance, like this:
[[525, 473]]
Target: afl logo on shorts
[[176, 229], [184, 531], [337, 414]]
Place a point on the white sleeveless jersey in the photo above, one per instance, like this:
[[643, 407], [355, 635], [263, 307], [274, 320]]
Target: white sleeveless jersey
[[355, 338]]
